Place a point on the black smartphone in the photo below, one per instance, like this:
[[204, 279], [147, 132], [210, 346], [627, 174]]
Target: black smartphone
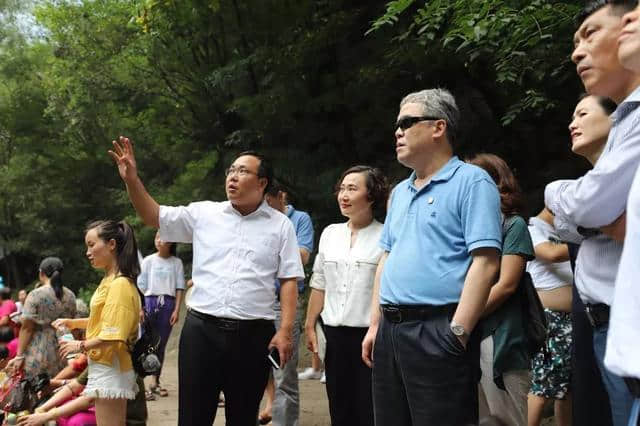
[[274, 357]]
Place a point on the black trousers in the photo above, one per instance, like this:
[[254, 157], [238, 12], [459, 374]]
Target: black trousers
[[422, 375], [348, 377], [589, 400], [222, 356]]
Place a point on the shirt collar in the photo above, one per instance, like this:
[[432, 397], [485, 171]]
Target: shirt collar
[[263, 209], [445, 173], [290, 210], [629, 104]]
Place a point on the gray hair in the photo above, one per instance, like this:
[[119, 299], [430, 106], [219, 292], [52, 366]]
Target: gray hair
[[439, 103]]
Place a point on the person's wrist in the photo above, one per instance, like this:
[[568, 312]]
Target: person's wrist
[[286, 328], [52, 414], [132, 178]]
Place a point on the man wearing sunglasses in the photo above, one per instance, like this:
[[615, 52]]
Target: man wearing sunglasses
[[240, 247], [442, 240]]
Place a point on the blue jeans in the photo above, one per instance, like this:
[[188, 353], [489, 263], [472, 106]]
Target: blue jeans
[[635, 413], [620, 398]]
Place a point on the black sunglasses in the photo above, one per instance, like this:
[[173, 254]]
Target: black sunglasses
[[406, 122]]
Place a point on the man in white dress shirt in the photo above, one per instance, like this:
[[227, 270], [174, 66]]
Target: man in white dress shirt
[[623, 342], [240, 247], [599, 197]]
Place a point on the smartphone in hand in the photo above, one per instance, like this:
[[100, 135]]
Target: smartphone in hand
[[274, 357]]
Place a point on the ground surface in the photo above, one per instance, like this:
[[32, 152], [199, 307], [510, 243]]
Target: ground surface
[[313, 398]]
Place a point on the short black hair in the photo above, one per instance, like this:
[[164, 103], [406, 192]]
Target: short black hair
[[265, 170], [276, 187], [5, 293], [593, 6], [6, 335]]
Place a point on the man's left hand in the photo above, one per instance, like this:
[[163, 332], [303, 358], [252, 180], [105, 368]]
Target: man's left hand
[[283, 340]]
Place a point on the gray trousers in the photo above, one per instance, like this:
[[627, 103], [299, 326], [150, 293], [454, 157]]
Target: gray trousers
[[286, 404]]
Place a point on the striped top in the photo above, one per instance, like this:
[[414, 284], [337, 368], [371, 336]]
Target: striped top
[[597, 199]]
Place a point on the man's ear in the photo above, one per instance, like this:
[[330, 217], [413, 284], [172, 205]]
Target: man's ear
[[263, 181], [440, 129]]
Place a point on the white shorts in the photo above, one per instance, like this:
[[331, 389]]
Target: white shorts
[[108, 382]]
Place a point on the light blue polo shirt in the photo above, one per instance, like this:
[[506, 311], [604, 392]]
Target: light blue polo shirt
[[304, 232], [430, 234]]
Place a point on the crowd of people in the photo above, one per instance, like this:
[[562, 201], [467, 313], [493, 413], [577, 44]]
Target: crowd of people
[[419, 305], [76, 359]]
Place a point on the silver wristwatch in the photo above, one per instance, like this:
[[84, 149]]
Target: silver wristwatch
[[458, 329]]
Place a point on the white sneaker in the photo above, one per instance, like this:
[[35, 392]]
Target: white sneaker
[[309, 374], [323, 379]]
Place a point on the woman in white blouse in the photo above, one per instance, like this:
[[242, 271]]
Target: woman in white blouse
[[341, 290]]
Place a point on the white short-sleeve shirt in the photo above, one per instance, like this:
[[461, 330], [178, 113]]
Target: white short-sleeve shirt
[[346, 274], [547, 275], [236, 258], [161, 276]]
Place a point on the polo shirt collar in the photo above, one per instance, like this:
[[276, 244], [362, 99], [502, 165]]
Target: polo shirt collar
[[445, 173], [290, 210], [262, 210]]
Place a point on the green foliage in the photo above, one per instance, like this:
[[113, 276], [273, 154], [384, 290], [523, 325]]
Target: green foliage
[[193, 82], [520, 45]]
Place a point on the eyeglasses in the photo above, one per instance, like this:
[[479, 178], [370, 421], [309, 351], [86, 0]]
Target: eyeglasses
[[407, 122], [240, 171]]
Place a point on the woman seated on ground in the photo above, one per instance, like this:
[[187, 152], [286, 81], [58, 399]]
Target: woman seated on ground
[[75, 366], [67, 407]]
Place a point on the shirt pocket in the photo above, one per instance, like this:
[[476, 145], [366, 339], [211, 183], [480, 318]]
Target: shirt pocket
[[364, 274], [331, 270], [264, 253]]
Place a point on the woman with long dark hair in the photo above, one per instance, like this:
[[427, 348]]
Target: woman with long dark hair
[[504, 358], [341, 291], [112, 326], [37, 345]]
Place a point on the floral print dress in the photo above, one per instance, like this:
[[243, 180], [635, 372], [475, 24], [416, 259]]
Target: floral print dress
[[43, 307]]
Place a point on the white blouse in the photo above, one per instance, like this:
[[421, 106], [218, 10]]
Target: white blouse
[[346, 274]]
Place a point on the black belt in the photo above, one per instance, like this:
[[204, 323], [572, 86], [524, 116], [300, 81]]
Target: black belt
[[402, 313], [228, 323], [597, 314]]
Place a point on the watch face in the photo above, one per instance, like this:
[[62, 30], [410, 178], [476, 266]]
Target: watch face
[[458, 330]]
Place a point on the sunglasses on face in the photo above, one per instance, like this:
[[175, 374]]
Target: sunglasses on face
[[407, 122]]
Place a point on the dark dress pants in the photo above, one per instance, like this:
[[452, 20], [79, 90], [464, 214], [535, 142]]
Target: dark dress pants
[[348, 377], [218, 355], [589, 398], [422, 375]]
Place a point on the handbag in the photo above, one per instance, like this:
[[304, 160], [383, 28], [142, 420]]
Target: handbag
[[144, 353], [19, 395], [533, 316]]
